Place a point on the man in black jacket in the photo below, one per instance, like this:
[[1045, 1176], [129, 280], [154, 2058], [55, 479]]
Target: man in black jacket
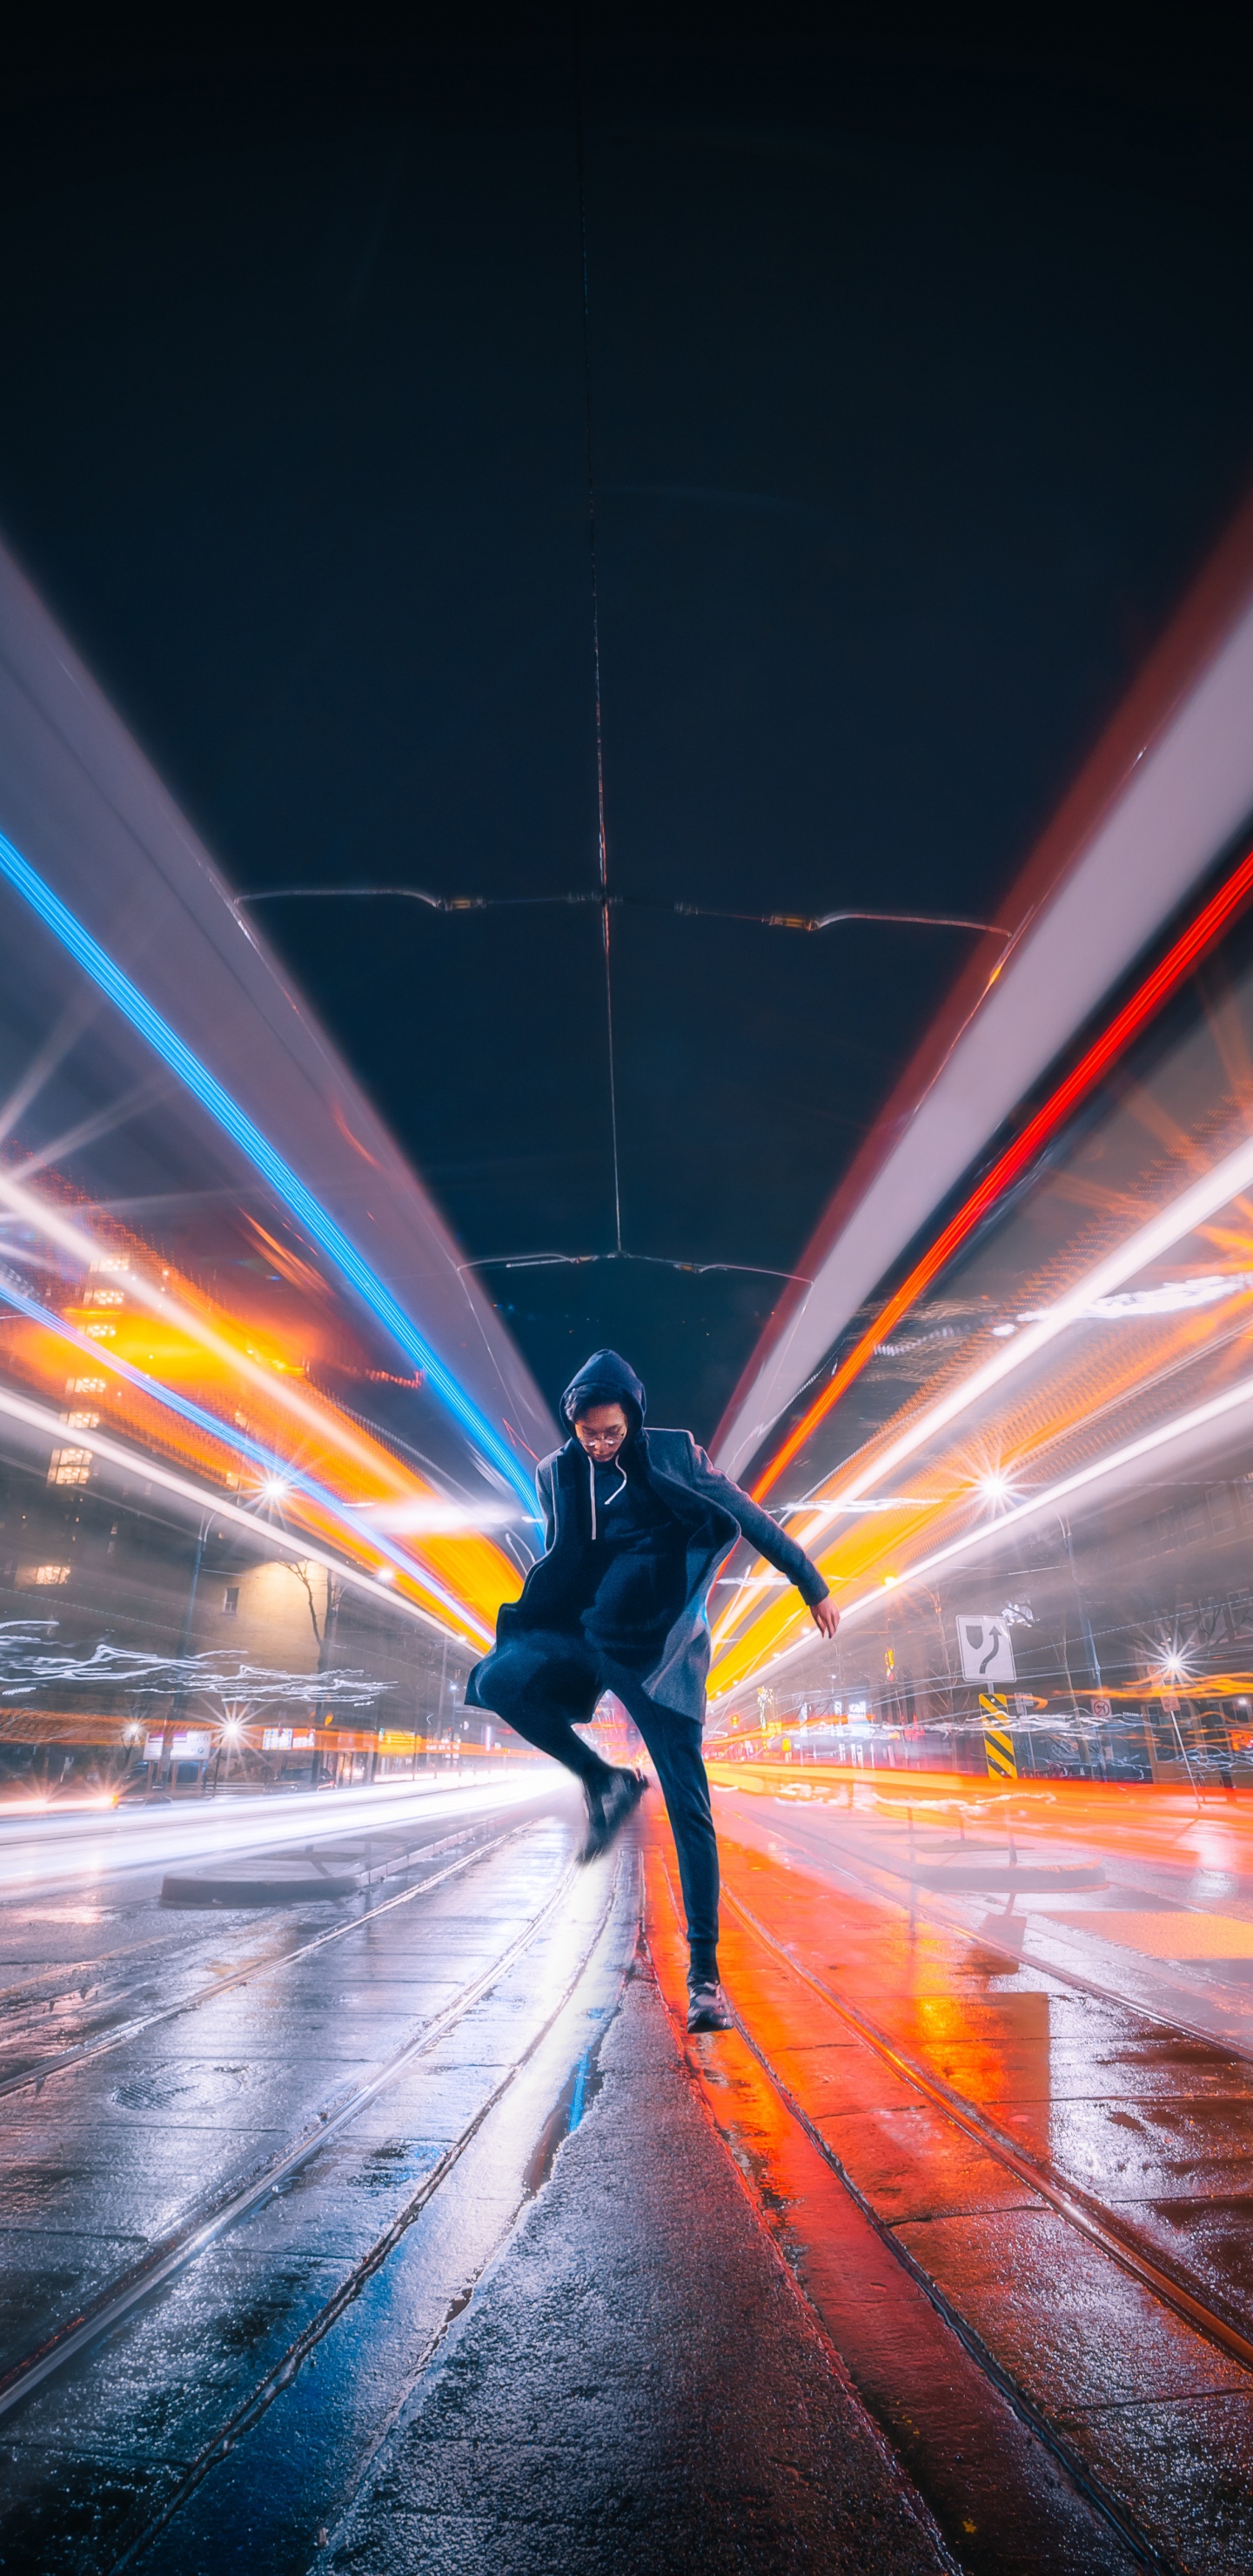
[[637, 1523]]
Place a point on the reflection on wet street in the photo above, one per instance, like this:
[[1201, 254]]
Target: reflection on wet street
[[1019, 2028], [342, 2231], [252, 2131]]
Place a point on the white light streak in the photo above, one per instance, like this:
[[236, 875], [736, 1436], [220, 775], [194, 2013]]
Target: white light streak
[[67, 1844], [1173, 1297], [148, 1471], [1191, 1209], [421, 1518], [980, 1539]]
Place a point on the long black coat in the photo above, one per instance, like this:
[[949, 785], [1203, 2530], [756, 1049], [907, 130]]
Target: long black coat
[[712, 1513]]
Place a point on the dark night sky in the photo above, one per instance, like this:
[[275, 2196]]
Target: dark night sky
[[921, 380]]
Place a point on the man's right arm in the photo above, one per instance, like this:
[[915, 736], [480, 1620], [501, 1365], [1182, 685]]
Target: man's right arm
[[770, 1541], [761, 1531]]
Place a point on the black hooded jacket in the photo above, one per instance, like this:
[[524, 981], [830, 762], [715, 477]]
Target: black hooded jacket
[[684, 1519]]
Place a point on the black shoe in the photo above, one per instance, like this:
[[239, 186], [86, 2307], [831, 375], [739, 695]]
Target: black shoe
[[608, 1809], [707, 2008]]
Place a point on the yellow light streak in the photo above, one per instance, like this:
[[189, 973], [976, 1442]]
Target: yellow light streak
[[176, 1338], [1214, 1191], [1205, 1198], [149, 1470], [986, 1535]]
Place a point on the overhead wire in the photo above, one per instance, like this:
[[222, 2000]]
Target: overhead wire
[[607, 900], [602, 842]]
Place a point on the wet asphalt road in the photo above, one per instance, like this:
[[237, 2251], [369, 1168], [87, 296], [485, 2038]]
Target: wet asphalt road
[[1032, 2113], [230, 2407], [409, 2231], [638, 2385]]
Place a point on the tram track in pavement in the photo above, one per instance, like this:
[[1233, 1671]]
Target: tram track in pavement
[[1080, 2209], [522, 2039], [1116, 2535], [201, 2227], [932, 2384], [896, 1887], [1004, 2493], [86, 2052], [249, 2411], [768, 1987], [382, 1841], [1118, 2237]]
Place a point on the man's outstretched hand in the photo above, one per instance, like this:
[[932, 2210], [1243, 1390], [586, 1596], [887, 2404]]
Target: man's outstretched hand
[[825, 1616]]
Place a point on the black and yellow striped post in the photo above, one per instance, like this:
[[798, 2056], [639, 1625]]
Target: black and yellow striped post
[[998, 1743]]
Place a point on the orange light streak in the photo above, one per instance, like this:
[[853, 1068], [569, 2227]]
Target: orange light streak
[[175, 1334], [1070, 1412]]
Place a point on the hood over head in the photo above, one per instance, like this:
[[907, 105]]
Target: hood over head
[[605, 1379]]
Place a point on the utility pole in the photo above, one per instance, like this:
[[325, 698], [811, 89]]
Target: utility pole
[[179, 1701]]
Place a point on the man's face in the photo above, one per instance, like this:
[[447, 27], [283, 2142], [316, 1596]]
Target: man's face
[[601, 1431]]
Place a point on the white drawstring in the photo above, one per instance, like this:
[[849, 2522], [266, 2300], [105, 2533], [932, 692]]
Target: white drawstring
[[619, 1488]]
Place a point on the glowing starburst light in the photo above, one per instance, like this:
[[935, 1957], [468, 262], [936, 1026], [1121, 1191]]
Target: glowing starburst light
[[1202, 1200], [976, 1541]]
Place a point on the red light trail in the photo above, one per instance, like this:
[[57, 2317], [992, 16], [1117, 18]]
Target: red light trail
[[1208, 925]]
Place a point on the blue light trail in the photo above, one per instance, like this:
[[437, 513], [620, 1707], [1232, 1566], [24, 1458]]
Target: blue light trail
[[204, 1086]]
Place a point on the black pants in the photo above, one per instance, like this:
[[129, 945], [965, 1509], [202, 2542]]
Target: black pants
[[544, 1685]]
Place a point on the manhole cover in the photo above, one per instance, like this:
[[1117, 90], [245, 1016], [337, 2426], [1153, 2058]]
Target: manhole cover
[[257, 1883], [1003, 1876]]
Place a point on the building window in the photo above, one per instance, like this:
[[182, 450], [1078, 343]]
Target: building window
[[230, 1601], [70, 1467]]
